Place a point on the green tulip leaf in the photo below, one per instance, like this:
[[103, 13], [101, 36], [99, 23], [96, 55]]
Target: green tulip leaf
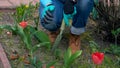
[[50, 64], [40, 35], [44, 44], [23, 37], [72, 58], [8, 27], [67, 55]]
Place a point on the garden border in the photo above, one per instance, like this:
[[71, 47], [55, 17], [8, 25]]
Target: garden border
[[4, 58]]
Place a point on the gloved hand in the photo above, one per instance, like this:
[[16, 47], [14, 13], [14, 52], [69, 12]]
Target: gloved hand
[[48, 18], [48, 7], [48, 10], [47, 15], [69, 10], [45, 2]]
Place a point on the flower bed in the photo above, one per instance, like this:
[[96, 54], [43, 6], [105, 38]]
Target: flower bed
[[27, 46]]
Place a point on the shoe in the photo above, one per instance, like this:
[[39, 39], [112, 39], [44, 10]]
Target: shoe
[[52, 36], [74, 43]]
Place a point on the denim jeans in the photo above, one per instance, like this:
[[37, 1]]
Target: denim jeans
[[83, 8]]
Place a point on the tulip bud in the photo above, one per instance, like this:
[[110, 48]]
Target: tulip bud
[[23, 24]]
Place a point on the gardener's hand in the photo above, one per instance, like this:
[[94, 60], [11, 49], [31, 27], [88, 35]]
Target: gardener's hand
[[48, 10], [47, 13]]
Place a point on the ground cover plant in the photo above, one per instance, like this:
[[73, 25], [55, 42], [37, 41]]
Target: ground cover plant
[[28, 46]]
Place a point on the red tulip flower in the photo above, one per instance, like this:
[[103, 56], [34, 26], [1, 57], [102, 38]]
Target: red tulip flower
[[97, 57], [23, 24], [52, 67]]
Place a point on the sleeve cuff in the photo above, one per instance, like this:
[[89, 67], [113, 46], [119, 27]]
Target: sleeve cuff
[[77, 31]]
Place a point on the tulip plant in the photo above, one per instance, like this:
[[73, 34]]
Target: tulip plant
[[27, 32], [69, 58], [97, 58]]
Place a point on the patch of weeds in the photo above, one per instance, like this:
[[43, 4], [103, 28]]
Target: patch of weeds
[[109, 62], [86, 36], [116, 34], [94, 46], [57, 54], [113, 49]]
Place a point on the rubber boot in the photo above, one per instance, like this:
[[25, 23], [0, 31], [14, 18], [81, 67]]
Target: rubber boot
[[74, 43]]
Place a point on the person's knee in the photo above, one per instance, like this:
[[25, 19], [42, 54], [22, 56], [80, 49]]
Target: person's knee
[[50, 26], [83, 4]]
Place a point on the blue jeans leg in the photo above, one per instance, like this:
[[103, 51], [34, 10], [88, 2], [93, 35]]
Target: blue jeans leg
[[84, 8]]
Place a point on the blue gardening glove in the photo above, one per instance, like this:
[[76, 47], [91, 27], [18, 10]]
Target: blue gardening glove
[[48, 18], [67, 17], [45, 2], [47, 15], [49, 8]]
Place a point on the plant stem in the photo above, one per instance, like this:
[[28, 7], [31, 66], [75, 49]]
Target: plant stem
[[97, 66], [116, 40], [31, 54]]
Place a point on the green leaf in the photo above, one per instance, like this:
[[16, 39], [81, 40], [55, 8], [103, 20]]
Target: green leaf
[[34, 60], [23, 37], [39, 64], [67, 56], [8, 27], [118, 30], [72, 58], [57, 53], [43, 37], [94, 13], [94, 46], [113, 32], [50, 64], [35, 63], [28, 35], [40, 35], [96, 2], [45, 44]]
